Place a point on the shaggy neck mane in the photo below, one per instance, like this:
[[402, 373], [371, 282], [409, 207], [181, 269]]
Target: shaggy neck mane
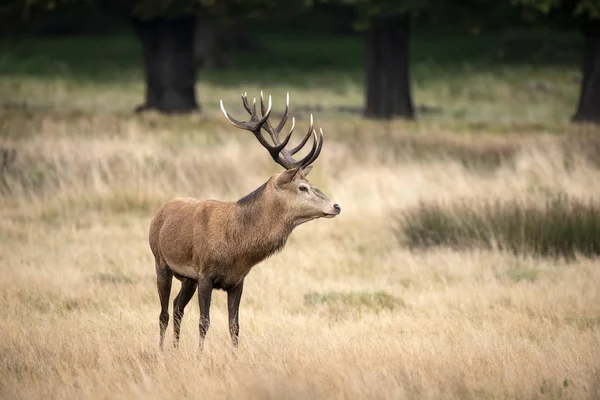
[[253, 196], [262, 224]]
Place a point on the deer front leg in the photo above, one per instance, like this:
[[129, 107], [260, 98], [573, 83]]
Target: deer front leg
[[233, 305], [205, 287]]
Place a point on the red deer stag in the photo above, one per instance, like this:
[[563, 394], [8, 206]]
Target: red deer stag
[[214, 245]]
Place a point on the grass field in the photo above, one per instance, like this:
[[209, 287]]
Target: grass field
[[348, 309]]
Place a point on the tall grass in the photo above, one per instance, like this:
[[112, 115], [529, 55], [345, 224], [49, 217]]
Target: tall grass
[[560, 227], [342, 312]]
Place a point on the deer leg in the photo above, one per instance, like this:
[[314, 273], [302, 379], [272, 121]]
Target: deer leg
[[205, 287], [233, 305], [188, 287], [164, 278]]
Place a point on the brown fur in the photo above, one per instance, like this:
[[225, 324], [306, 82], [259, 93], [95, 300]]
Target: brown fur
[[214, 244]]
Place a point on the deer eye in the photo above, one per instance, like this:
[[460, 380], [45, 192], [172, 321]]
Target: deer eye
[[303, 189]]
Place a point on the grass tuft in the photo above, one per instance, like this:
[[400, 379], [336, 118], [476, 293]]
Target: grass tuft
[[562, 227], [338, 303], [112, 278], [585, 145], [520, 274]]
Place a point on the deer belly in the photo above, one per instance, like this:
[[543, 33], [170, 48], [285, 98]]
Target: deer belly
[[180, 261], [188, 271]]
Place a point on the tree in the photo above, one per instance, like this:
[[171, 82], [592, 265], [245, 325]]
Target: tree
[[169, 68], [387, 71], [388, 31], [166, 31], [387, 54], [588, 109], [586, 15], [387, 27]]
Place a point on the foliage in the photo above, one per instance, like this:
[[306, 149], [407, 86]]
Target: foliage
[[147, 9], [579, 8], [366, 10], [563, 227], [588, 7]]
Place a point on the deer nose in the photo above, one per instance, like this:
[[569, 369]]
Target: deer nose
[[337, 207]]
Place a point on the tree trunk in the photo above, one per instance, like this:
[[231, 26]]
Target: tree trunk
[[167, 47], [216, 41], [588, 109], [387, 68], [212, 49]]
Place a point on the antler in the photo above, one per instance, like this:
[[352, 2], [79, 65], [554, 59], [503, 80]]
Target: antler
[[278, 152]]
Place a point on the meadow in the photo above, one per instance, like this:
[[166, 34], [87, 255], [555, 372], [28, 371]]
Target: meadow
[[415, 291]]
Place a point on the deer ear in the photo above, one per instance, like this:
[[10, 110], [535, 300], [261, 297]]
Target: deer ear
[[287, 176], [306, 169]]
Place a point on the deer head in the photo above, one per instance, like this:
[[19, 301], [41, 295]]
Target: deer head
[[302, 199]]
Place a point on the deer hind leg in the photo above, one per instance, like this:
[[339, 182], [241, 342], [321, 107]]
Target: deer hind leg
[[188, 288], [164, 279]]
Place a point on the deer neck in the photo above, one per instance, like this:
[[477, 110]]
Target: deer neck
[[262, 223]]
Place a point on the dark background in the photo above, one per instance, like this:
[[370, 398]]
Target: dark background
[[378, 42]]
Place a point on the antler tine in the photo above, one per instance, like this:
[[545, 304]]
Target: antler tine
[[274, 132], [233, 121], [309, 157], [303, 162], [253, 125], [268, 113], [265, 116], [282, 145], [318, 152], [278, 152], [305, 139], [268, 127], [285, 113], [245, 102]]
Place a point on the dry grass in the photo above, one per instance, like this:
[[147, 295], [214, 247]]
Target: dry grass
[[342, 312]]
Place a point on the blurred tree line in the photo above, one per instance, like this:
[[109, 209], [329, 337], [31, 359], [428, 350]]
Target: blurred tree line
[[180, 37]]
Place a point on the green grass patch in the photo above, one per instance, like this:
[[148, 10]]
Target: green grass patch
[[97, 58], [519, 274], [338, 303], [560, 227], [583, 322], [112, 278]]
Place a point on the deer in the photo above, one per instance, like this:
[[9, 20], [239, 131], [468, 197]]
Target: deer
[[212, 245]]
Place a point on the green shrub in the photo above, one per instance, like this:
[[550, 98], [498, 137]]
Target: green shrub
[[560, 227]]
